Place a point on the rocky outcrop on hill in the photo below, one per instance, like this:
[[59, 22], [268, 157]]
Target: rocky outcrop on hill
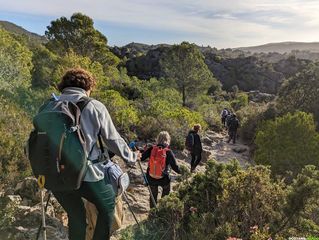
[[21, 214], [248, 73], [291, 66], [148, 65], [133, 50], [258, 97], [264, 73], [284, 47]]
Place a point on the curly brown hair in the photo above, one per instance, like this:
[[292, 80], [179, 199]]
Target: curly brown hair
[[197, 127], [77, 77]]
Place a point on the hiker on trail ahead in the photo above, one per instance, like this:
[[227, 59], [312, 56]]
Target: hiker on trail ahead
[[133, 145], [223, 116], [227, 119], [194, 145], [160, 159], [233, 125], [95, 121]]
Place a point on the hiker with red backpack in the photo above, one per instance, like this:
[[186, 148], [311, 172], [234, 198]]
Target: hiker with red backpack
[[64, 152], [194, 145], [161, 158]]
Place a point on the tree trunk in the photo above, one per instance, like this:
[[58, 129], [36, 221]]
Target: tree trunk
[[184, 97]]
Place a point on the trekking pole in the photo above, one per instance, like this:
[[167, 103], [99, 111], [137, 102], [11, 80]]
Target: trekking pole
[[45, 210], [149, 188], [129, 206], [41, 181]]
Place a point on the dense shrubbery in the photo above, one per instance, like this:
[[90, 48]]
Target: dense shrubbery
[[79, 35], [301, 92], [161, 109], [15, 63], [211, 113], [14, 128], [228, 201], [250, 117], [185, 67], [44, 63], [241, 100], [288, 143], [123, 113]]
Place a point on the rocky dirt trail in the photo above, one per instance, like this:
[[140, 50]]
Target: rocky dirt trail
[[25, 196], [215, 146]]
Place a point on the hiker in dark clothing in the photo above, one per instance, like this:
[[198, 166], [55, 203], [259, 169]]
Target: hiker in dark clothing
[[227, 119], [196, 149], [232, 128], [95, 121], [161, 178], [223, 116]]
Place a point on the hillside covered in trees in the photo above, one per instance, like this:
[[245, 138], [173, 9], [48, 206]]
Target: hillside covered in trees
[[150, 88]]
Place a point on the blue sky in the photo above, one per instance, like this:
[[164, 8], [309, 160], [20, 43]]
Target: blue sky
[[222, 24]]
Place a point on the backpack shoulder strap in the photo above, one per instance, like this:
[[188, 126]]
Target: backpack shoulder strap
[[154, 151], [166, 149], [45, 104], [83, 102], [192, 135], [100, 142]]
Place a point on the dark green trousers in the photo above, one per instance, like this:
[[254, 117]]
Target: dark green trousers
[[102, 196]]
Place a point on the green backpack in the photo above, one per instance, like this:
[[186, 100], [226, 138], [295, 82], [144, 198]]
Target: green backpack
[[56, 147]]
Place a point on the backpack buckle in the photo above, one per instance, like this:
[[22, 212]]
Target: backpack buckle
[[73, 129]]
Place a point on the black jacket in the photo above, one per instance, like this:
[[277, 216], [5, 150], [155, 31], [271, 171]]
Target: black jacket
[[170, 162], [197, 142], [233, 124]]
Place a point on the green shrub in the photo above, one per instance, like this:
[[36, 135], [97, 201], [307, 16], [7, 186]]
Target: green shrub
[[44, 63], [15, 63], [177, 121], [228, 201], [15, 127], [71, 60], [288, 143], [240, 101], [252, 116], [300, 92], [211, 114], [122, 112], [161, 110]]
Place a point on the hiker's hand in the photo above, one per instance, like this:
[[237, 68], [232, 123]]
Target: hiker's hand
[[139, 156]]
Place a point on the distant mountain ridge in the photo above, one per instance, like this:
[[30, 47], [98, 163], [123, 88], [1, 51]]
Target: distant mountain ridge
[[283, 47], [15, 29], [250, 68]]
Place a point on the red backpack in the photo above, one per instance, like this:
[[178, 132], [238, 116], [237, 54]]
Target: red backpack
[[157, 162]]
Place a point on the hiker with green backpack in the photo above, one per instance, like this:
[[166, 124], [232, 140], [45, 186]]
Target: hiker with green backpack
[[63, 150], [161, 158]]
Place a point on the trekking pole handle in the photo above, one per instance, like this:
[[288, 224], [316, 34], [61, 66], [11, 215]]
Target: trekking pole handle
[[41, 181]]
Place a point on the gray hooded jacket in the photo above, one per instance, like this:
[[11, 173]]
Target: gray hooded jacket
[[96, 119]]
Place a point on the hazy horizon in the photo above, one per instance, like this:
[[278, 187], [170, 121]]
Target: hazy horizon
[[228, 24]]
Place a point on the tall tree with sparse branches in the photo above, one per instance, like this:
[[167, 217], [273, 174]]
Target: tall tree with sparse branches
[[184, 65], [79, 35]]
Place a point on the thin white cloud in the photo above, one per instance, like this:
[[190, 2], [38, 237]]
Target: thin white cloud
[[218, 23]]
